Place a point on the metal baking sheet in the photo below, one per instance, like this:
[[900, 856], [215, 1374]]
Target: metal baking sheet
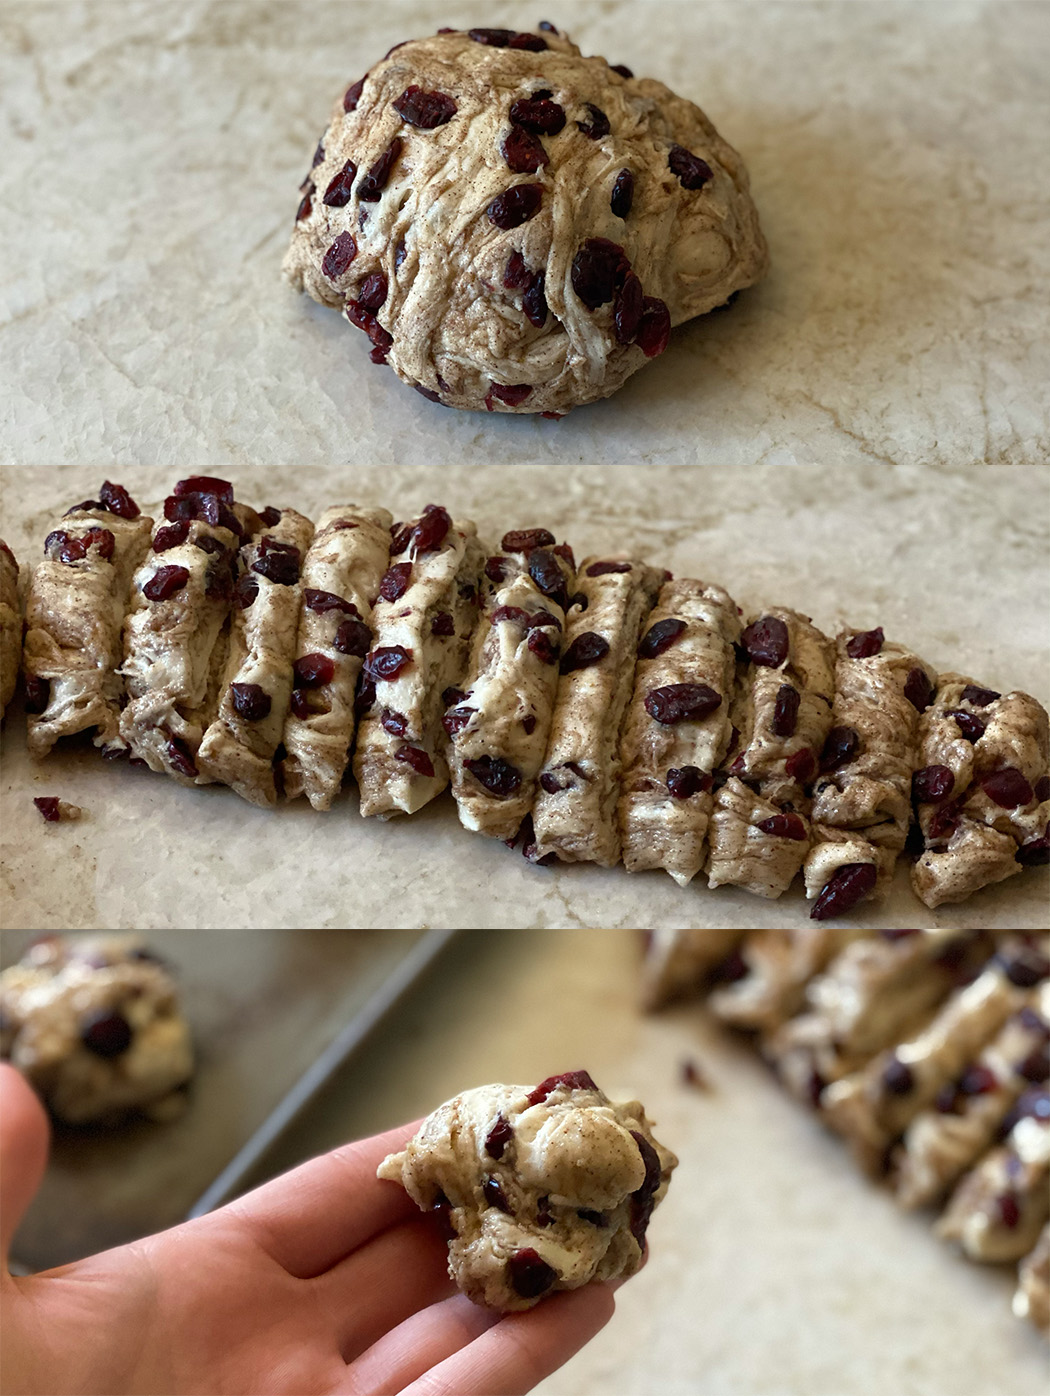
[[274, 1014]]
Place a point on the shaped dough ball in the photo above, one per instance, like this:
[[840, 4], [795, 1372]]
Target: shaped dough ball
[[517, 227]]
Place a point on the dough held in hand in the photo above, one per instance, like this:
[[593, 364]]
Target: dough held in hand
[[544, 1189], [517, 227]]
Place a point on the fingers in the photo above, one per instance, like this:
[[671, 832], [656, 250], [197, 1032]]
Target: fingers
[[509, 1358], [24, 1137], [309, 1219], [421, 1342]]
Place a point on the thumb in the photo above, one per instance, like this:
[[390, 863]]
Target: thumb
[[24, 1137]]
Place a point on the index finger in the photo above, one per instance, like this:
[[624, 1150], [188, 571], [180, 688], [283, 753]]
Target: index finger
[[309, 1219]]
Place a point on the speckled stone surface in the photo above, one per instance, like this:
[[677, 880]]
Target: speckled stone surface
[[903, 547], [152, 154]]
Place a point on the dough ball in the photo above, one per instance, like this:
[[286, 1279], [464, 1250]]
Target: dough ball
[[517, 227]]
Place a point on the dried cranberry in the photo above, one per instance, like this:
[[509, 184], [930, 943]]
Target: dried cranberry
[[497, 776], [531, 43], [598, 271], [353, 637], [207, 543], [918, 689], [181, 758], [206, 506], [365, 696], [373, 292], [969, 724], [513, 394], [567, 1080], [204, 484], [767, 642], [534, 302], [165, 582], [544, 1215], [785, 711], [517, 274], [865, 644], [493, 38], [1009, 1211], [276, 561], [979, 697], [897, 1077], [542, 647], [622, 69], [551, 783], [627, 310], [417, 758], [681, 702], [515, 205], [495, 1196], [425, 109], [313, 670], [603, 569], [685, 781], [394, 723], [523, 152], [353, 94], [245, 592], [538, 115], [523, 540], [692, 172], [586, 649], [388, 662], [563, 551], [660, 637], [106, 1032], [529, 723], [494, 569], [498, 1137], [654, 332], [170, 536], [1036, 1066], [598, 126], [978, 1080], [318, 155], [1026, 967], [547, 575], [323, 601], [400, 252], [622, 194], [784, 826], [116, 499], [1007, 788], [339, 256], [251, 701], [528, 1274], [443, 624], [337, 195], [1041, 789], [456, 719], [512, 613], [48, 805], [801, 765], [944, 821], [375, 181], [395, 581], [1035, 853], [847, 886], [642, 1200], [932, 784], [840, 746]]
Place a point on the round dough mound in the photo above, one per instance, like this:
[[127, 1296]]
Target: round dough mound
[[467, 224]]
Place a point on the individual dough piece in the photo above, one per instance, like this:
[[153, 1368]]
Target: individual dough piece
[[74, 612], [546, 1189], [498, 727], [1032, 1297], [423, 622], [873, 1107], [687, 650], [943, 1141], [774, 968], [998, 1210], [10, 626], [677, 963], [862, 803], [473, 291], [93, 1023], [347, 559], [575, 811], [238, 747], [759, 832], [970, 738]]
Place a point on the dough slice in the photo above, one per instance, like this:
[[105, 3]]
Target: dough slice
[[759, 833], [345, 564], [874, 1106], [1032, 1298], [575, 811], [945, 1140], [423, 622], [10, 626], [238, 747], [982, 793], [685, 673], [677, 963], [74, 611], [774, 968], [499, 724], [998, 1210], [545, 1189], [862, 802]]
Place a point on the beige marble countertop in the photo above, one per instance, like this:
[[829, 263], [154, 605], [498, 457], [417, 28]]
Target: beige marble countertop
[[775, 1269], [902, 547], [152, 154]]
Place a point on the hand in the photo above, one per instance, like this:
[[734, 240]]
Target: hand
[[323, 1281]]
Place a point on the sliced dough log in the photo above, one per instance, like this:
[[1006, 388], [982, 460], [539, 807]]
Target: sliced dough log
[[677, 963], [942, 1142], [775, 967], [74, 613], [1032, 1296], [423, 622], [760, 833], [239, 745], [345, 562], [575, 811], [873, 1107], [862, 804], [10, 626], [984, 757], [998, 1210], [872, 993], [498, 728], [687, 653]]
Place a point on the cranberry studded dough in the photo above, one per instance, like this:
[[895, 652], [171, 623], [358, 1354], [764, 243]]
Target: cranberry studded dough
[[93, 1023], [609, 714], [517, 227], [929, 1051], [544, 1189], [10, 626]]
